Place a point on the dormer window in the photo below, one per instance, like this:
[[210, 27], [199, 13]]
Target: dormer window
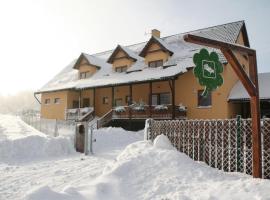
[[156, 63], [84, 75], [121, 69]]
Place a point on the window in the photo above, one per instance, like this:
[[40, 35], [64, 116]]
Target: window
[[57, 100], [156, 63], [84, 75], [47, 101], [161, 99], [86, 102], [204, 101], [118, 102], [121, 69], [105, 100], [165, 98], [75, 104]]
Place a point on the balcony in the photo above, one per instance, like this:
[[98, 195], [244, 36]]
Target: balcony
[[146, 111], [77, 113]]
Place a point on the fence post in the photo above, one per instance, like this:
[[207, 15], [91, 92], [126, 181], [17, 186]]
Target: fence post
[[238, 143], [56, 128], [147, 129]]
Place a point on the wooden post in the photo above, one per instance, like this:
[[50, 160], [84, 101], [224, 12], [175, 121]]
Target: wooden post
[[173, 99], [94, 100], [131, 100], [150, 99], [256, 123], [250, 83], [112, 96]]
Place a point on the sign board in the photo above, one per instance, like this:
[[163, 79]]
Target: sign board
[[208, 70]]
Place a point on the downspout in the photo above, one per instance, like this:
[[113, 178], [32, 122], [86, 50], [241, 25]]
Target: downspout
[[37, 98]]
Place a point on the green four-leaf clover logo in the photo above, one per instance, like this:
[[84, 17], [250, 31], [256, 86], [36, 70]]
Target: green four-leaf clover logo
[[208, 70]]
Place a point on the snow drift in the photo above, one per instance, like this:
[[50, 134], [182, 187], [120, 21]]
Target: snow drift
[[20, 142], [147, 171]]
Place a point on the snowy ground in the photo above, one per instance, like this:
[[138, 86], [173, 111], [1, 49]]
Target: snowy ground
[[121, 168]]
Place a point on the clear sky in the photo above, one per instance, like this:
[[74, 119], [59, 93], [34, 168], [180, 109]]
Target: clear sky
[[39, 38]]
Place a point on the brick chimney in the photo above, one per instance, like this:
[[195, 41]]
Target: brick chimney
[[156, 33]]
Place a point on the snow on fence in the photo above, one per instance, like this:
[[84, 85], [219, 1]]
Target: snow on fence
[[223, 144], [50, 127]]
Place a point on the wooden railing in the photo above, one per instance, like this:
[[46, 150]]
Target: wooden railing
[[77, 113], [104, 119], [144, 112]]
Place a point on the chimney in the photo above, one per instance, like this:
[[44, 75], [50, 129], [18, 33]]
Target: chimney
[[156, 33]]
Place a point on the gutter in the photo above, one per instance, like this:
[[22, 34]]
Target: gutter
[[37, 98]]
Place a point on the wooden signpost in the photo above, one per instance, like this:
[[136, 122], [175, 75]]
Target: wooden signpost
[[249, 82]]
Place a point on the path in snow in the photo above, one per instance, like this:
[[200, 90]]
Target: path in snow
[[17, 180], [19, 175]]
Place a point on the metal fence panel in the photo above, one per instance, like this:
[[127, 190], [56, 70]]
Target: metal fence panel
[[223, 144]]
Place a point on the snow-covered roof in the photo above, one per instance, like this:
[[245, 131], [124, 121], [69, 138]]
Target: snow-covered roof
[[95, 60], [180, 60], [238, 91]]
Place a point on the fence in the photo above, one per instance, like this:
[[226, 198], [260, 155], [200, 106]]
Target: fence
[[223, 144], [50, 127]]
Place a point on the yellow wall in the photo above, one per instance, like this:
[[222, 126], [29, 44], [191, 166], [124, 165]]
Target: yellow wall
[[121, 92], [52, 110], [101, 108]]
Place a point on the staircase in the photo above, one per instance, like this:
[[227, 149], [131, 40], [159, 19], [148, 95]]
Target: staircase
[[105, 119]]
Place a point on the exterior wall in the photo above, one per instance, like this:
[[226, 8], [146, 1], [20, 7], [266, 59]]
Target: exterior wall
[[158, 54], [72, 96], [88, 94], [187, 87], [52, 110], [101, 108], [121, 92], [140, 92]]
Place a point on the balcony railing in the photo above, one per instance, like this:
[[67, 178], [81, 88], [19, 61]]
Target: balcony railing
[[77, 113], [146, 111]]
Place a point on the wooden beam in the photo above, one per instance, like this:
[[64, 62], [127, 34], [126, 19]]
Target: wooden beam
[[94, 100], [173, 99], [238, 69], [131, 100], [150, 98], [112, 96], [217, 44], [256, 123], [250, 84]]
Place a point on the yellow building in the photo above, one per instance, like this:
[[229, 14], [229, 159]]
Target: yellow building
[[150, 79]]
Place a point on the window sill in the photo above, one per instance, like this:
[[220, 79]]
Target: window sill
[[204, 107]]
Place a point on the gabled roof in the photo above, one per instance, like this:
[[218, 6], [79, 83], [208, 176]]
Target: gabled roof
[[130, 54], [238, 92], [91, 60], [178, 63], [159, 41]]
